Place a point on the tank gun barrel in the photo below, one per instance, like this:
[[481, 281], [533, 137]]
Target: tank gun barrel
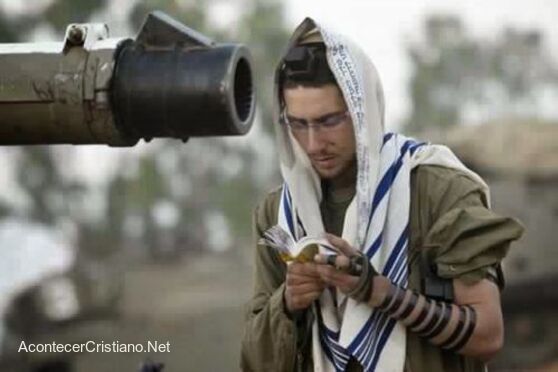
[[170, 81]]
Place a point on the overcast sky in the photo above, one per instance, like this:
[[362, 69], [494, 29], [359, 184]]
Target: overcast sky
[[383, 27]]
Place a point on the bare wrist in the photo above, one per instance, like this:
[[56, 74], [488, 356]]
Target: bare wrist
[[291, 314]]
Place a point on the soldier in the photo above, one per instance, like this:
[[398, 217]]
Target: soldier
[[415, 283]]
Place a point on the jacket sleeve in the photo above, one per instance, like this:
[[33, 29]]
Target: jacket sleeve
[[269, 341], [467, 238]]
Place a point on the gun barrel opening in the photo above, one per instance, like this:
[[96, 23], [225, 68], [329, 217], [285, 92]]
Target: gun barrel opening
[[243, 90], [183, 93]]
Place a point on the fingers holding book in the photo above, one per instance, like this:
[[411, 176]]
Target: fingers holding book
[[341, 245], [303, 285], [305, 271]]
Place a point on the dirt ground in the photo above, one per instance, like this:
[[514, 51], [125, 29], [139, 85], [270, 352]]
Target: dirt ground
[[195, 304]]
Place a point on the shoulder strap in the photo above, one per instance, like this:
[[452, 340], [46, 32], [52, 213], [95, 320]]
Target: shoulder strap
[[432, 285]]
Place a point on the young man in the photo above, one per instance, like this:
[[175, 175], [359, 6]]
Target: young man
[[414, 285]]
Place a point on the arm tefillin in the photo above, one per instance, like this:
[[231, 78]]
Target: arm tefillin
[[445, 324], [359, 266]]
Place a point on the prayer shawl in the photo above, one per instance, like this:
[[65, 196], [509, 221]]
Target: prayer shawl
[[376, 221]]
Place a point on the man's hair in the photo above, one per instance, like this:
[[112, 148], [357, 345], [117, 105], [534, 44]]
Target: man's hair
[[306, 65]]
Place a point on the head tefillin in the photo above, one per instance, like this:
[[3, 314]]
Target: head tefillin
[[306, 64]]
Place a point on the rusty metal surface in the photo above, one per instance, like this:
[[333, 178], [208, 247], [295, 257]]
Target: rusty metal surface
[[58, 92]]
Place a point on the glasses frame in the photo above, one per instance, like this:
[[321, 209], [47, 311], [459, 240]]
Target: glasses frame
[[318, 125]]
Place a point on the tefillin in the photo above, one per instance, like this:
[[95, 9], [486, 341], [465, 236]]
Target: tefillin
[[307, 63]]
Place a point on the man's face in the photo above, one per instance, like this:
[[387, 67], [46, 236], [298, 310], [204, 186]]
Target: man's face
[[331, 150]]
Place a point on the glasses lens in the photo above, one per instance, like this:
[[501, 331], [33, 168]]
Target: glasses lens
[[298, 124], [329, 122], [333, 121]]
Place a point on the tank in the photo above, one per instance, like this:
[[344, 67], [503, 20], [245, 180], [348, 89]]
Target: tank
[[519, 161]]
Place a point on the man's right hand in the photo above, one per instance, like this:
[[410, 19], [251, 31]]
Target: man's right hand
[[303, 285]]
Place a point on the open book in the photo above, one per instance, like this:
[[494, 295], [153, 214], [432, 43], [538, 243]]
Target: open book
[[302, 250]]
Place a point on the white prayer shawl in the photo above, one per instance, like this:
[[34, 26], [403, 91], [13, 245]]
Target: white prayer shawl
[[377, 219]]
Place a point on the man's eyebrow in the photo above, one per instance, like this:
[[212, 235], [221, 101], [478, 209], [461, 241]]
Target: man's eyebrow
[[291, 117], [321, 118]]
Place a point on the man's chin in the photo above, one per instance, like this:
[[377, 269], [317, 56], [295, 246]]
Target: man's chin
[[332, 173], [327, 173]]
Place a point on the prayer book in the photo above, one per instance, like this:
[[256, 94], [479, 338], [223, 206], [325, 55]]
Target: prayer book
[[302, 250]]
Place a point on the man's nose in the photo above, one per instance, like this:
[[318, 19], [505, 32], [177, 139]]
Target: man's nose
[[316, 140]]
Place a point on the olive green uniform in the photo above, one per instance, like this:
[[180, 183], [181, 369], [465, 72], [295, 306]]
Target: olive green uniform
[[449, 223]]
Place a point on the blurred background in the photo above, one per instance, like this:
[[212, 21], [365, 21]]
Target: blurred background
[[153, 242]]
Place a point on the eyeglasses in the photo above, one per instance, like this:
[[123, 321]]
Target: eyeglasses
[[325, 123]]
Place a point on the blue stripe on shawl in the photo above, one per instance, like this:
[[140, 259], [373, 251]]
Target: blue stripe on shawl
[[383, 340], [359, 345], [396, 259], [327, 351], [301, 225], [364, 353], [371, 251], [370, 349], [396, 252], [415, 147], [387, 137], [287, 207], [334, 352], [402, 276], [357, 341], [331, 334], [339, 356], [388, 178], [338, 351], [399, 264]]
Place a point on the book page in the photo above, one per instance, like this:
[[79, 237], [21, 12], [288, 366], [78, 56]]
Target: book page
[[302, 251]]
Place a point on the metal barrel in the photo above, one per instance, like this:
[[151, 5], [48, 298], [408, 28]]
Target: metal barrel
[[183, 92], [169, 82]]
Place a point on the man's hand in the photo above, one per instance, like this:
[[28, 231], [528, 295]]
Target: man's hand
[[303, 285], [337, 275]]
